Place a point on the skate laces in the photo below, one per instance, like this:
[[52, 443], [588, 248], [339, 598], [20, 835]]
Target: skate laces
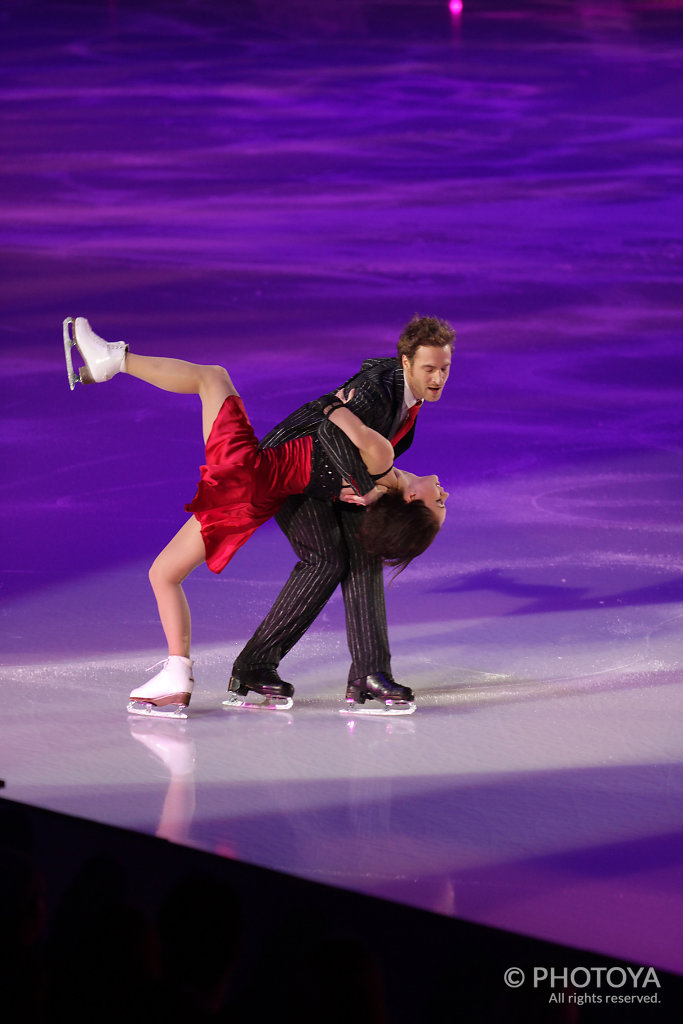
[[164, 662]]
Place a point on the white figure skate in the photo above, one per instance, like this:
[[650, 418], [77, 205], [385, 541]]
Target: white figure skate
[[102, 359], [168, 694]]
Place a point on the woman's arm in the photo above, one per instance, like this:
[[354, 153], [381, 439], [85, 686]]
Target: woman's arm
[[376, 451]]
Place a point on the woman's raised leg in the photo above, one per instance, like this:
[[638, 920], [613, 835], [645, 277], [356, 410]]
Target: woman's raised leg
[[103, 360], [211, 383], [173, 685]]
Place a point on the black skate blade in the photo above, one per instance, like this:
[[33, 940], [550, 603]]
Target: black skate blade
[[236, 701], [169, 711], [375, 709]]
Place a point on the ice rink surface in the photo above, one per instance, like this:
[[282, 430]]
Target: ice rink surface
[[278, 188]]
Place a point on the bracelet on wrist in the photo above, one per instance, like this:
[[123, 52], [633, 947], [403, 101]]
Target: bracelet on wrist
[[328, 404]]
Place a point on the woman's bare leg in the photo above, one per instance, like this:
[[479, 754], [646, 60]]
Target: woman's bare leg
[[186, 550], [180, 556], [211, 383]]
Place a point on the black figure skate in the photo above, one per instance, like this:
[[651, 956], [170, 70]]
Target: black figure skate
[[276, 693], [378, 695]]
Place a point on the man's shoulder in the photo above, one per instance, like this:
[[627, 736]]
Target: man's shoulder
[[379, 381], [380, 364], [380, 371]]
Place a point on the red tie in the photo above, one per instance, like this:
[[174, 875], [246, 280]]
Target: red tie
[[407, 423]]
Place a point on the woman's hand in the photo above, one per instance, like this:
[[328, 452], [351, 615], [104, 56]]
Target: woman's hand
[[351, 498], [345, 398]]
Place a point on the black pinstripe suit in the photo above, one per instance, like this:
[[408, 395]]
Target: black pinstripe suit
[[323, 535]]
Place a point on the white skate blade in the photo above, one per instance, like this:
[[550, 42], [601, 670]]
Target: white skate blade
[[82, 376], [167, 711], [373, 709], [234, 700], [69, 342]]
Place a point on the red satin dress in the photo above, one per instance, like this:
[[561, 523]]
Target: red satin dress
[[242, 486]]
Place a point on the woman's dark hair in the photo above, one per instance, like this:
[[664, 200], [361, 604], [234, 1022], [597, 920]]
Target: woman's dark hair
[[397, 530]]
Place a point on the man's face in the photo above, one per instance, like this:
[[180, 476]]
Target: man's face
[[428, 371]]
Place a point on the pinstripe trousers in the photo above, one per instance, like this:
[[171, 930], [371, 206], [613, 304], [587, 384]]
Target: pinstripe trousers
[[323, 535]]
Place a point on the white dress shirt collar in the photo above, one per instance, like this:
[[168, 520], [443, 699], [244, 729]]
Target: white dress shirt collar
[[409, 399]]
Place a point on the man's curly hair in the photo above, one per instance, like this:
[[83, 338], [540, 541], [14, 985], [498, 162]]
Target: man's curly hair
[[425, 330]]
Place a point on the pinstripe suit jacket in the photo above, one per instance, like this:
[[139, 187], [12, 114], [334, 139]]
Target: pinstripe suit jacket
[[378, 400]]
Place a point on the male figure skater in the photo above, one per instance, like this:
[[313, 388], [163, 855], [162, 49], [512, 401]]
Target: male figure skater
[[387, 394]]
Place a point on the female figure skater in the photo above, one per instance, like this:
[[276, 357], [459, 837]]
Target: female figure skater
[[242, 486]]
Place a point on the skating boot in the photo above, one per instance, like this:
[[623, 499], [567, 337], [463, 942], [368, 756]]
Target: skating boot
[[385, 697], [168, 693], [102, 360], [277, 694]]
